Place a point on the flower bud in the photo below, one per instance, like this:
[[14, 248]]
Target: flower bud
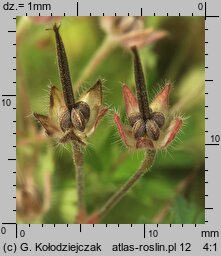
[[139, 129], [152, 130], [116, 26], [43, 19], [158, 118]]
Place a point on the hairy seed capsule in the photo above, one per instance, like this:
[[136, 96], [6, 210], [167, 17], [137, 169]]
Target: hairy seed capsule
[[78, 119], [65, 121], [139, 129], [142, 97], [152, 130], [64, 71], [84, 108], [159, 118], [133, 118]]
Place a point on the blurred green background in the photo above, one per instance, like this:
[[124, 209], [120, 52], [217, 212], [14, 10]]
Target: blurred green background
[[173, 191]]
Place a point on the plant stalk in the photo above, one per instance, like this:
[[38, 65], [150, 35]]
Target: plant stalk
[[102, 52], [144, 168], [78, 162]]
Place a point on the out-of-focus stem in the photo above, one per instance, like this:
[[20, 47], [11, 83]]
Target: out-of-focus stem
[[47, 191], [79, 173], [144, 168], [180, 188], [106, 47], [25, 105], [22, 26]]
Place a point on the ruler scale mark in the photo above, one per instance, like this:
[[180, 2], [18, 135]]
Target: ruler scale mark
[[214, 16], [16, 230], [8, 223]]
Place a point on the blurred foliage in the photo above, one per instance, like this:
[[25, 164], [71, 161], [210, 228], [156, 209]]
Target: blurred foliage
[[179, 58]]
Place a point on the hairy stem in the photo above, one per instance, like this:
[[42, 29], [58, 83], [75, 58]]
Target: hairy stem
[[78, 162], [102, 52], [145, 166], [140, 86]]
